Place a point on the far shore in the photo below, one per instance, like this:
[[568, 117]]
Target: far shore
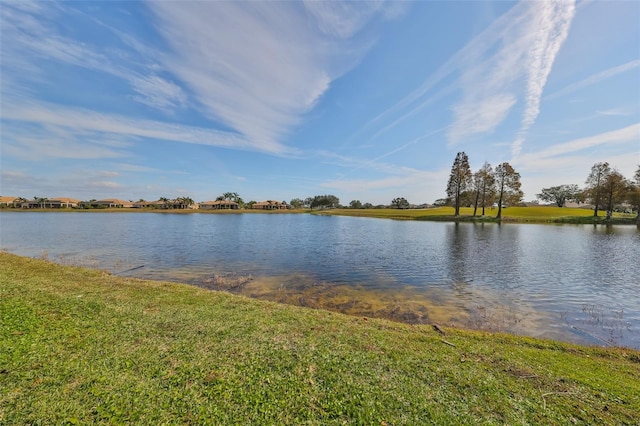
[[534, 214]]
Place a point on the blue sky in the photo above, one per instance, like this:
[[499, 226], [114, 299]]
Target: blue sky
[[282, 100]]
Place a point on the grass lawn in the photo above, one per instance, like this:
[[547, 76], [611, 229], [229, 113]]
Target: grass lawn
[[541, 214], [80, 346]]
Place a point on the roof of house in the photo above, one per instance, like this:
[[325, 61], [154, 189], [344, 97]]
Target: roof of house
[[218, 202], [8, 199], [64, 200], [268, 203], [114, 201]]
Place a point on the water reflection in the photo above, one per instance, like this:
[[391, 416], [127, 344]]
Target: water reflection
[[576, 283]]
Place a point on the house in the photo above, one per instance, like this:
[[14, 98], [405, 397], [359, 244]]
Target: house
[[112, 202], [149, 204], [8, 201], [63, 203], [270, 205], [52, 203], [219, 205]]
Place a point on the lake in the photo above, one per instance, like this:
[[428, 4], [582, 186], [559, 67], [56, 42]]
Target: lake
[[576, 283]]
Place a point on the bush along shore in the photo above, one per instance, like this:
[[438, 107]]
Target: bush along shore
[[80, 346]]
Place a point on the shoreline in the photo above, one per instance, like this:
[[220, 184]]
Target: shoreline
[[515, 215]]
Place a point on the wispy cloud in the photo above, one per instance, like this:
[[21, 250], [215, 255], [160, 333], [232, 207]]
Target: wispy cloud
[[502, 30], [554, 19], [252, 68], [268, 66], [104, 126], [343, 19], [594, 79], [33, 38], [480, 115], [506, 63], [555, 157], [525, 49], [157, 92], [35, 142]]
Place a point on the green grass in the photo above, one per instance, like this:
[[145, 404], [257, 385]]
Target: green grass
[[542, 214], [80, 346]]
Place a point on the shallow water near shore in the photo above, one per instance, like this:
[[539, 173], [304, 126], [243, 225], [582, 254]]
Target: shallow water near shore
[[575, 283]]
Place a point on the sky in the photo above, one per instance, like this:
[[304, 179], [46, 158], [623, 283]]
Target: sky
[[277, 100]]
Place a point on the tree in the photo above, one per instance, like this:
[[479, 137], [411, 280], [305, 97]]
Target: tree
[[324, 201], [595, 181], [165, 202], [459, 180], [633, 194], [19, 201], [355, 204], [296, 203], [484, 187], [559, 195], [615, 189], [508, 186], [308, 201], [400, 203], [184, 202], [230, 196]]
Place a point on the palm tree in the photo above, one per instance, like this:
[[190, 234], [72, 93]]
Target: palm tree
[[184, 202]]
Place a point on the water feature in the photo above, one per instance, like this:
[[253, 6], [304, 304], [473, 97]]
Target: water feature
[[569, 282]]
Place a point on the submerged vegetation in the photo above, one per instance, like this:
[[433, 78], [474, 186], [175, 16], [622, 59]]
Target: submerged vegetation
[[81, 346]]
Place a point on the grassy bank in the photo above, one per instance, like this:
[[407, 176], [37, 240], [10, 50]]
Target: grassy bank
[[512, 214], [81, 346]]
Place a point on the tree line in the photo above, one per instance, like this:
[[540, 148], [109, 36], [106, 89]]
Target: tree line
[[484, 187], [606, 188]]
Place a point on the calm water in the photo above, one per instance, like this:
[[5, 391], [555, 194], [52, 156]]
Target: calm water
[[573, 283]]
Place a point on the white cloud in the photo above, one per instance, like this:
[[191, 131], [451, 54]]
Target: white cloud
[[518, 49], [554, 19], [158, 92], [559, 155], [33, 38], [137, 168], [257, 67], [36, 142], [342, 19], [464, 63], [480, 116], [620, 112], [414, 177], [594, 79], [74, 120]]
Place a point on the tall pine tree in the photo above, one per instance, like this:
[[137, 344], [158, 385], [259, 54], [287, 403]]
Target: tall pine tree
[[459, 180]]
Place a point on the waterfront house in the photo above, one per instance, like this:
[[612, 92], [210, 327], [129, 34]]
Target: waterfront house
[[51, 203], [112, 202], [219, 205], [7, 201], [270, 205]]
